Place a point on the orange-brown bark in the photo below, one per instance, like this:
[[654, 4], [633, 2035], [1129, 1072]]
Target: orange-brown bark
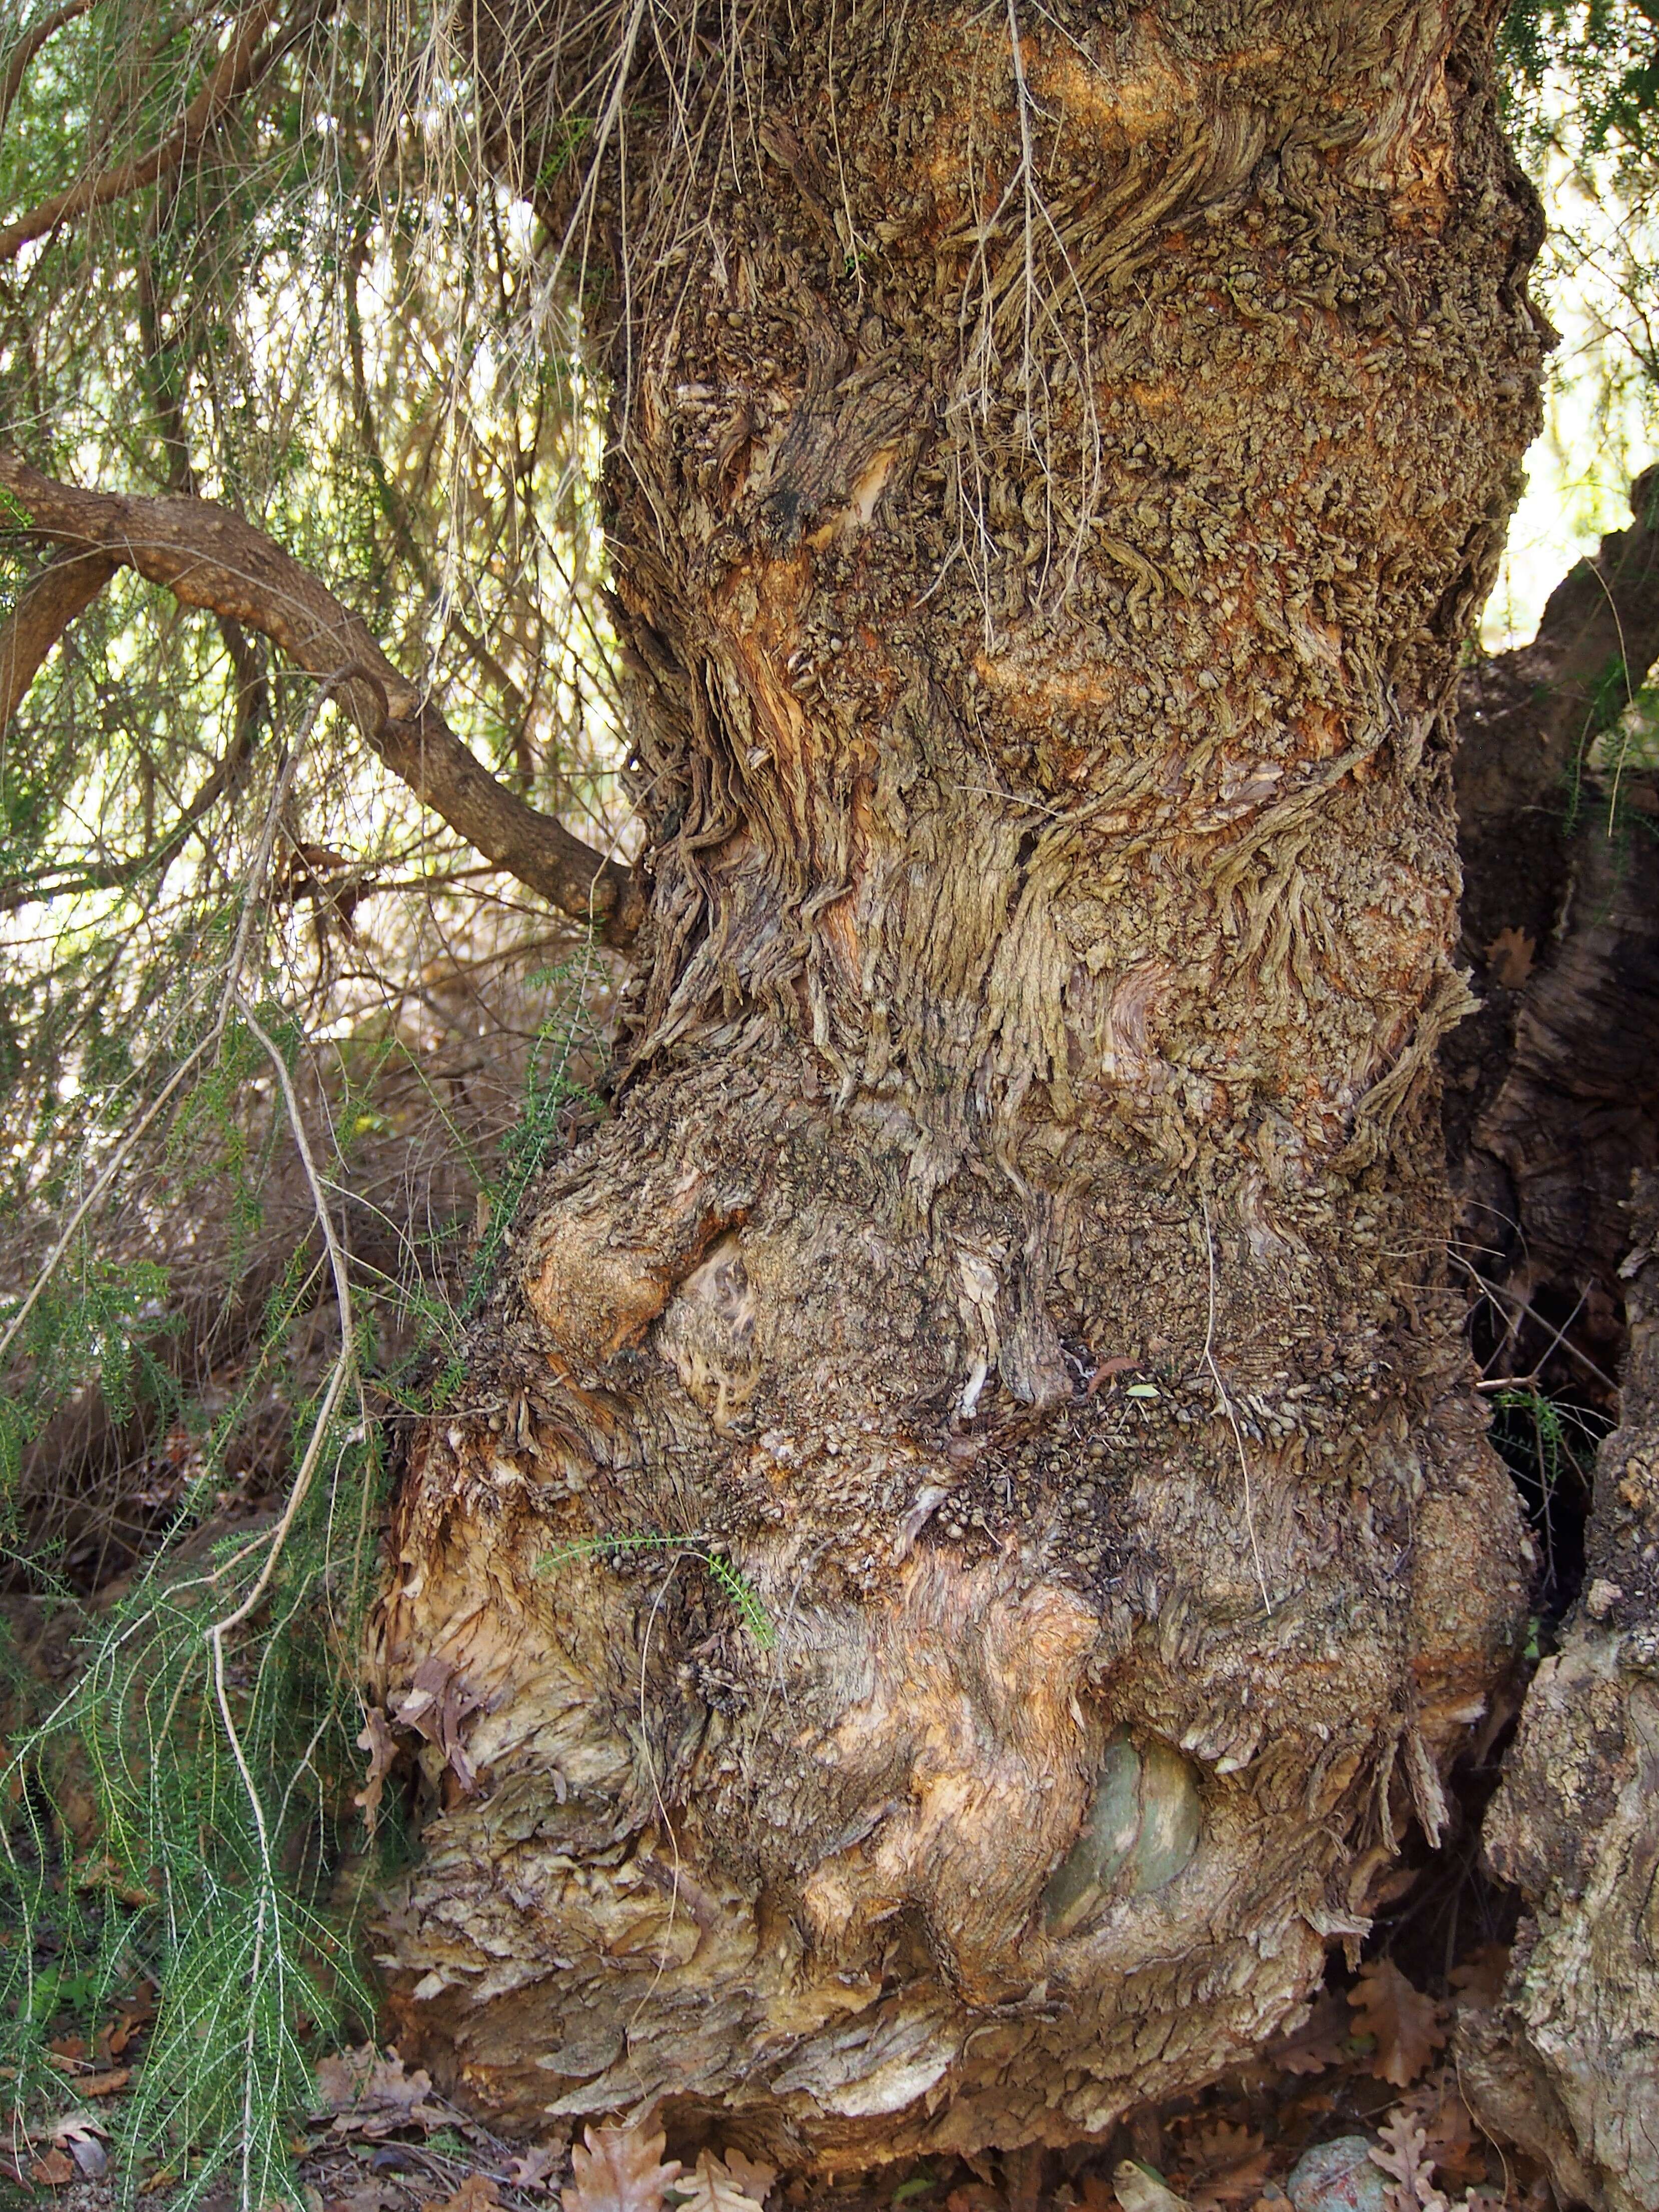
[[1055, 474]]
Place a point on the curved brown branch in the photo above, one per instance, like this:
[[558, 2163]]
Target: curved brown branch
[[30, 44], [64, 589], [208, 557], [244, 60]]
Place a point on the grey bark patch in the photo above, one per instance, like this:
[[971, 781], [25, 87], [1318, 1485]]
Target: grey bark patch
[[1140, 1831]]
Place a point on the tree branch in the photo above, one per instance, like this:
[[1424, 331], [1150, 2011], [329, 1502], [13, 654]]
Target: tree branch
[[30, 44], [114, 875], [208, 557], [64, 589], [1523, 716], [243, 61]]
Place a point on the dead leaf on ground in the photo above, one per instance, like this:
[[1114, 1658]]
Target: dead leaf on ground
[[1321, 2041], [1232, 2166], [54, 2169], [105, 2084], [621, 2170], [1402, 2157], [1509, 955], [77, 2137], [372, 2096], [478, 2193], [1140, 2190], [1450, 2143], [534, 2169], [133, 2016], [733, 2184], [1221, 2143], [978, 2197], [1233, 2184], [1404, 2023], [1480, 1980]]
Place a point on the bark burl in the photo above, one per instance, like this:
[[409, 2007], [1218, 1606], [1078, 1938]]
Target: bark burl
[[968, 1537]]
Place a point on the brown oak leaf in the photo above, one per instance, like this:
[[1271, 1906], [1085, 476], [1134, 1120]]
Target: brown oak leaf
[[534, 2168], [54, 2169], [1450, 2140], [372, 2096], [478, 2193], [733, 2184], [1321, 2041], [1402, 2157], [1405, 2024], [1480, 1980], [1231, 2165], [621, 2170], [1510, 956]]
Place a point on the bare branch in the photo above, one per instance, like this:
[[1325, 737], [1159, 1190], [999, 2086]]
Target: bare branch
[[208, 557], [115, 875], [64, 589], [30, 44], [243, 61]]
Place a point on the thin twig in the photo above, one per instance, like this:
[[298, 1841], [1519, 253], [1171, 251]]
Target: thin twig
[[251, 901], [1497, 1294], [344, 1367]]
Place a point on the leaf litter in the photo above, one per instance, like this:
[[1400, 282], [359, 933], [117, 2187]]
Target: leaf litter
[[382, 2138]]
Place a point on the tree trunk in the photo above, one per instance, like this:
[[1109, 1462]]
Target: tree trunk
[[1555, 1105], [1567, 2064], [968, 1536], [1554, 1085]]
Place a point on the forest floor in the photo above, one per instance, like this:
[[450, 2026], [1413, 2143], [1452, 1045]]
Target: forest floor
[[1370, 2067]]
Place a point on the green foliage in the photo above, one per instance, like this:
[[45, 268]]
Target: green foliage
[[550, 1087], [180, 1816], [1550, 1445], [183, 1812], [739, 1594], [1604, 54]]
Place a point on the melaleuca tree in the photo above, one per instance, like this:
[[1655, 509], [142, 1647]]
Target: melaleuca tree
[[950, 1537]]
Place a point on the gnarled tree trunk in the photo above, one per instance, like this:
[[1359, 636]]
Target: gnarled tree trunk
[[968, 1536]]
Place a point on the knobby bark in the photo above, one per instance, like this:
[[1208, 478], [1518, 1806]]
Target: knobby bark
[[969, 1537]]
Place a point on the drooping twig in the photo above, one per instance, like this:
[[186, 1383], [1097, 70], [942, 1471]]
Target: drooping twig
[[30, 44], [244, 59], [63, 592]]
